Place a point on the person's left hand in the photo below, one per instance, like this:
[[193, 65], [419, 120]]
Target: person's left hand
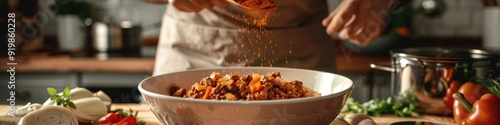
[[360, 21]]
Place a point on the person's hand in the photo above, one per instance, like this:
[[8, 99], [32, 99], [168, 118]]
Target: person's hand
[[360, 21], [195, 5]]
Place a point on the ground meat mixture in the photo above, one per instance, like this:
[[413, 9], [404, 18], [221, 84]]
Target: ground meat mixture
[[234, 86]]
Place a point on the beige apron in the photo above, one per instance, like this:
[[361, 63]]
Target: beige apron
[[221, 37]]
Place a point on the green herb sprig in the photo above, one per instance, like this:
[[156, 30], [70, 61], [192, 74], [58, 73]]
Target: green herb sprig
[[377, 107], [63, 100]]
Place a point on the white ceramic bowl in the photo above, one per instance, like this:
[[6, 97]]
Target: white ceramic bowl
[[321, 110]]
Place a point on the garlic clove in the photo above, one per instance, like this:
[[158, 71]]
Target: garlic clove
[[103, 96], [78, 93]]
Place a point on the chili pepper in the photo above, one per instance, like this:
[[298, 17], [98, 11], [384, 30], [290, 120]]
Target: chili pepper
[[109, 118], [448, 99], [472, 92], [129, 120], [484, 111], [120, 116]]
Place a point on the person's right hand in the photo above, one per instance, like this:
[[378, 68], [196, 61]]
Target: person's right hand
[[196, 5]]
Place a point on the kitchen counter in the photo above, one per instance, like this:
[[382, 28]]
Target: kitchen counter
[[62, 64], [347, 60], [146, 115]]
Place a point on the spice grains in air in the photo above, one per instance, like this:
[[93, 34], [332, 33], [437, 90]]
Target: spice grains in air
[[255, 48], [257, 4]]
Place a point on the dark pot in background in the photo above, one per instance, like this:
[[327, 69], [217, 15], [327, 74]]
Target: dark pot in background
[[123, 39]]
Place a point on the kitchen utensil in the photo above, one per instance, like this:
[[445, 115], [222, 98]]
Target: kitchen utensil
[[236, 3], [100, 39], [433, 8], [423, 72], [257, 16], [321, 110], [491, 28]]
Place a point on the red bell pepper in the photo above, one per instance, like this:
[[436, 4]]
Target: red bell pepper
[[484, 112], [448, 99], [472, 92], [447, 74]]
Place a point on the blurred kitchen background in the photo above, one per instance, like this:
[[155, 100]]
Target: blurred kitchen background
[[110, 44]]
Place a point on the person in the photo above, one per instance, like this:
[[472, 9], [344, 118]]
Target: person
[[214, 33]]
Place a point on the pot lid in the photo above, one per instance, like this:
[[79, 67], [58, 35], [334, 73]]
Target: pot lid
[[445, 54]]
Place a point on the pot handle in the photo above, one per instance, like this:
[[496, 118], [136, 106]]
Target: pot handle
[[386, 66]]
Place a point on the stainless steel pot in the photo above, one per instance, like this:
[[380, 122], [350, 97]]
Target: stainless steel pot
[[426, 73], [123, 39]]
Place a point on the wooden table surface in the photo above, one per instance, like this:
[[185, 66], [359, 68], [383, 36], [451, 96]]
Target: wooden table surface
[[146, 115]]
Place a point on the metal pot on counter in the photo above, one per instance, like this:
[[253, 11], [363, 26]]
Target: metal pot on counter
[[426, 73], [120, 39]]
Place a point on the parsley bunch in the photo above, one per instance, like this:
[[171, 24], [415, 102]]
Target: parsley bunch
[[378, 107]]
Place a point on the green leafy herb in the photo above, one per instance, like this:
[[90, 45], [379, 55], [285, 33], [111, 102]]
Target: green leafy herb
[[492, 82], [141, 123], [403, 107], [61, 100]]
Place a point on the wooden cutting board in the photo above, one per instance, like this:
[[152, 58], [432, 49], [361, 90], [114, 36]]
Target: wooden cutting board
[[146, 115]]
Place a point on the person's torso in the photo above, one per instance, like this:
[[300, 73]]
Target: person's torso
[[293, 37]]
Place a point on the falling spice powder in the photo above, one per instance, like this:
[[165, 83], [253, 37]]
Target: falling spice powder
[[257, 4], [255, 49]]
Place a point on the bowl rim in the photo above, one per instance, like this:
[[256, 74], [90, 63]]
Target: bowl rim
[[253, 102]]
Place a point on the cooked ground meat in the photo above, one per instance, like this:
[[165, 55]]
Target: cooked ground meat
[[234, 86]]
